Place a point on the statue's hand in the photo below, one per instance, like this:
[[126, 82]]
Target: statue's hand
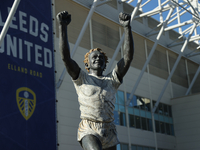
[[124, 19], [63, 18]]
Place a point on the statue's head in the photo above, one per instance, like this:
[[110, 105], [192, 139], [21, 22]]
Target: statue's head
[[95, 59]]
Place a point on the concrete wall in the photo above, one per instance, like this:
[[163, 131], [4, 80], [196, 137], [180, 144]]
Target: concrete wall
[[186, 114]]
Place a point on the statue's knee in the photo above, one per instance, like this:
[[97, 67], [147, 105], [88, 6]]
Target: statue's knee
[[91, 142]]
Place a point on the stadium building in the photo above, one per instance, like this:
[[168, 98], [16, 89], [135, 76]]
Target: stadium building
[[157, 105]]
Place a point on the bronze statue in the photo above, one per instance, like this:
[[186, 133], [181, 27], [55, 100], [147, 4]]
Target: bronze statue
[[96, 92]]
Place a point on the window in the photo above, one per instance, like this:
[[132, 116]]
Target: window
[[163, 119], [166, 112], [139, 114], [170, 111], [137, 119], [162, 127], [119, 113], [133, 147], [144, 124], [132, 121], [145, 103], [167, 128], [139, 111], [137, 147], [149, 125], [118, 147], [172, 129], [122, 147], [160, 108], [157, 126], [122, 118], [154, 102]]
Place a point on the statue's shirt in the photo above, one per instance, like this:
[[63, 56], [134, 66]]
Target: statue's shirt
[[96, 96]]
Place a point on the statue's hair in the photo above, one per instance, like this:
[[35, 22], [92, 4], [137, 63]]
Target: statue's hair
[[86, 60]]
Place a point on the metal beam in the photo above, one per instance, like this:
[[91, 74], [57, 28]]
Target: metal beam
[[159, 5], [193, 9], [179, 25], [179, 4], [191, 55], [178, 15], [95, 2], [8, 20], [155, 11], [150, 32], [196, 37], [145, 3], [176, 44], [174, 68], [193, 80], [122, 39], [103, 2], [129, 1], [91, 35], [150, 55], [172, 43]]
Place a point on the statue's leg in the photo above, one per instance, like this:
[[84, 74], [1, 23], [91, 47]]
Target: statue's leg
[[111, 148], [91, 142]]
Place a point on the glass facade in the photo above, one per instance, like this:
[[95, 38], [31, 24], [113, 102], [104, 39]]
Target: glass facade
[[135, 147], [119, 113], [122, 146], [139, 114], [163, 119]]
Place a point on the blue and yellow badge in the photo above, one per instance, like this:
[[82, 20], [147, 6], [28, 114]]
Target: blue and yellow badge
[[26, 101]]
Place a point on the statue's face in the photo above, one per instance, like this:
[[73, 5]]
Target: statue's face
[[96, 61]]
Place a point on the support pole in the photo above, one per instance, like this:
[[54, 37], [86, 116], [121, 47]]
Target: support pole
[[91, 35], [122, 39], [174, 68], [150, 55], [193, 80], [179, 25], [151, 103], [8, 20], [178, 19], [78, 40]]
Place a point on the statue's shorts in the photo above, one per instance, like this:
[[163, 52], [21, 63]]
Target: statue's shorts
[[105, 132]]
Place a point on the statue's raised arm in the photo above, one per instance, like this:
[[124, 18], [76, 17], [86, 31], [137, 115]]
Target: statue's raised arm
[[124, 64], [72, 67]]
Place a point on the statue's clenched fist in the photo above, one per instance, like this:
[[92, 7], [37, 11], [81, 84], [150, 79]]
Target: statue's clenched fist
[[63, 18], [124, 19]]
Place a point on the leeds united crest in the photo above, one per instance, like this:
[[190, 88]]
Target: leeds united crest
[[26, 101]]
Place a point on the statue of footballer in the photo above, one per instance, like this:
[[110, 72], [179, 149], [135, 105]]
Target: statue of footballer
[[96, 92]]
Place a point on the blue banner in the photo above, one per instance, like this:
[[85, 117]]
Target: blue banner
[[27, 90]]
